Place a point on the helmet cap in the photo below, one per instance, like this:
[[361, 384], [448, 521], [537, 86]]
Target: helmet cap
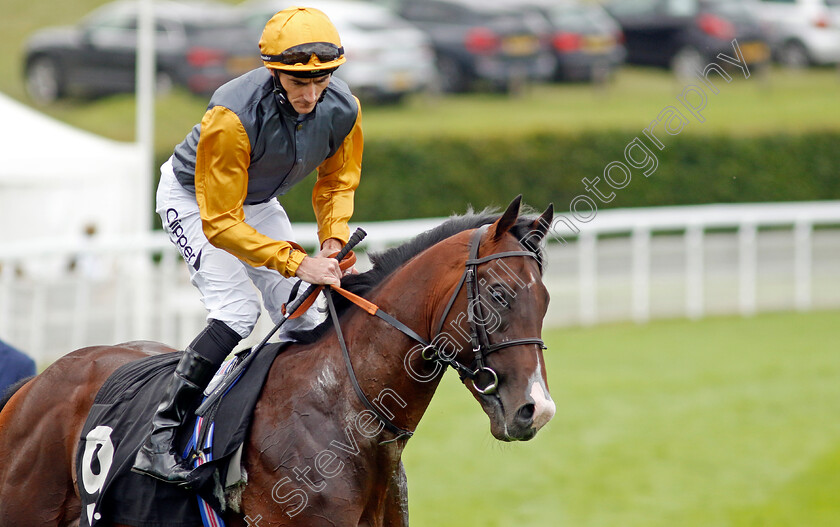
[[301, 41]]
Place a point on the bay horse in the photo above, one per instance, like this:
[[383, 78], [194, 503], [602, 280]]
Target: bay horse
[[471, 290]]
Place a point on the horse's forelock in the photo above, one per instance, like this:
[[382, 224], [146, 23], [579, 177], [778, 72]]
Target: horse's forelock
[[523, 231]]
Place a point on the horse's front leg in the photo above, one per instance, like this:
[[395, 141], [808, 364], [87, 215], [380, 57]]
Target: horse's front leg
[[396, 499]]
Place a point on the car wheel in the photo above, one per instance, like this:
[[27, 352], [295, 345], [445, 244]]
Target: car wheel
[[687, 63], [600, 74], [43, 80], [451, 75], [516, 82], [163, 83], [794, 55]]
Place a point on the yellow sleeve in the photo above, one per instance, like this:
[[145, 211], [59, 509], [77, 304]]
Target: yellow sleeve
[[221, 185], [338, 178]]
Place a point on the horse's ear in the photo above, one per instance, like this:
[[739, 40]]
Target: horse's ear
[[543, 223], [508, 219], [539, 228]]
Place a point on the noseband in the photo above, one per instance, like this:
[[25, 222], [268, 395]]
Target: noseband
[[479, 335]]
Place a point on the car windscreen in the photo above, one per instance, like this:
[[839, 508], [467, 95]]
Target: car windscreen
[[580, 18], [371, 21], [226, 34], [736, 11]]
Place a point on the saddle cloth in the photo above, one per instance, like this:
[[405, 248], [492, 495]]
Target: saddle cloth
[[117, 426]]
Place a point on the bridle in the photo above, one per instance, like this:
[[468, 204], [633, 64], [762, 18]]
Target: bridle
[[479, 335]]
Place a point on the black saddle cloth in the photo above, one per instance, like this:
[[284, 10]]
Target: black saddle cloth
[[118, 424]]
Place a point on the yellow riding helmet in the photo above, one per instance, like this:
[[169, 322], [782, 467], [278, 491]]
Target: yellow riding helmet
[[301, 41]]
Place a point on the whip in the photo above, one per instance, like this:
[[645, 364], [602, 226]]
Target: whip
[[231, 376]]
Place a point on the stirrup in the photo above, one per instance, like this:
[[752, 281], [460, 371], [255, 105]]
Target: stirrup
[[177, 474]]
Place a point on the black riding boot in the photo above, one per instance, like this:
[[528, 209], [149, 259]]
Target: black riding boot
[[157, 457]]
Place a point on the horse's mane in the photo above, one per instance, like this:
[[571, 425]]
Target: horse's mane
[[11, 390], [386, 262]]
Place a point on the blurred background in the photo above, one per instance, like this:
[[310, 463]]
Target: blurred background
[[693, 272]]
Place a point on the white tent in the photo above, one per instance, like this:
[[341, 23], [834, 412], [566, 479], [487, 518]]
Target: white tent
[[57, 181]]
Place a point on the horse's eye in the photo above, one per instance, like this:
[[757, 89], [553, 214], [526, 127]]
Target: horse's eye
[[500, 297]]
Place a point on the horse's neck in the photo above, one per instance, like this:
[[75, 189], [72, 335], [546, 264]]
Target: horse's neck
[[389, 364]]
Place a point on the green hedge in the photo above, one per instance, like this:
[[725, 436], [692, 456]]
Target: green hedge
[[436, 177]]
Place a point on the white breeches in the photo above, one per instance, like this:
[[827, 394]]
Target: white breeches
[[225, 282]]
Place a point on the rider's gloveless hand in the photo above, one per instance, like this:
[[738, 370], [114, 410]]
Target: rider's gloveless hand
[[319, 270]]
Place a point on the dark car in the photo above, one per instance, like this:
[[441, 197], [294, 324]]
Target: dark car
[[479, 41], [686, 35], [587, 42], [199, 45]]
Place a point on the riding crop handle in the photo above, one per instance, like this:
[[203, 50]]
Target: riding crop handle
[[231, 376], [354, 240], [358, 235]]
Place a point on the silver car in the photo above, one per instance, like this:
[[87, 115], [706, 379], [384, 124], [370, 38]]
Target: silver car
[[802, 32]]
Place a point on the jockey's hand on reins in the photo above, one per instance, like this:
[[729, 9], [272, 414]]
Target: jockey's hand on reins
[[345, 264], [297, 307]]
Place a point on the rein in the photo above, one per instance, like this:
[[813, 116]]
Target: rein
[[479, 336], [393, 428]]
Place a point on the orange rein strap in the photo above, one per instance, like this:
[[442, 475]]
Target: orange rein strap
[[348, 262], [367, 305], [374, 310]]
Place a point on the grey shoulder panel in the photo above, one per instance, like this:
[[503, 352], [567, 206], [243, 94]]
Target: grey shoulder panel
[[243, 92], [342, 107]]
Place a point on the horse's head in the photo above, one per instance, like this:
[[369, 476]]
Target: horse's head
[[502, 303], [479, 311]]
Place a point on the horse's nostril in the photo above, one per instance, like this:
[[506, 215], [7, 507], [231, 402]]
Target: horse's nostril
[[525, 413]]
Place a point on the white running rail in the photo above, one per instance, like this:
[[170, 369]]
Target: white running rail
[[625, 264]]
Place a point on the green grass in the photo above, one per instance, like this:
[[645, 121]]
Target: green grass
[[777, 100], [724, 422]]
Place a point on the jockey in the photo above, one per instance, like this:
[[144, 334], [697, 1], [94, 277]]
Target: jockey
[[262, 133]]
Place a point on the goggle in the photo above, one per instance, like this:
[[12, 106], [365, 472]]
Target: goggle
[[302, 53]]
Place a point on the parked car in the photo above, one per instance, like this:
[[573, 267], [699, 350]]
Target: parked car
[[587, 42], [387, 58], [199, 45], [685, 35], [802, 32], [488, 41]]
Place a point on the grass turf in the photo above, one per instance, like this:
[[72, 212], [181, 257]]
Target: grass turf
[[722, 422]]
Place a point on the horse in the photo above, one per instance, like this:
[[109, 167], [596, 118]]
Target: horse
[[327, 434]]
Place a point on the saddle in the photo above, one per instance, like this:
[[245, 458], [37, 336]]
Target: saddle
[[118, 424]]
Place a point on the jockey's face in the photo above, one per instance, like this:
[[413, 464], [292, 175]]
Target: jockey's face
[[303, 94]]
